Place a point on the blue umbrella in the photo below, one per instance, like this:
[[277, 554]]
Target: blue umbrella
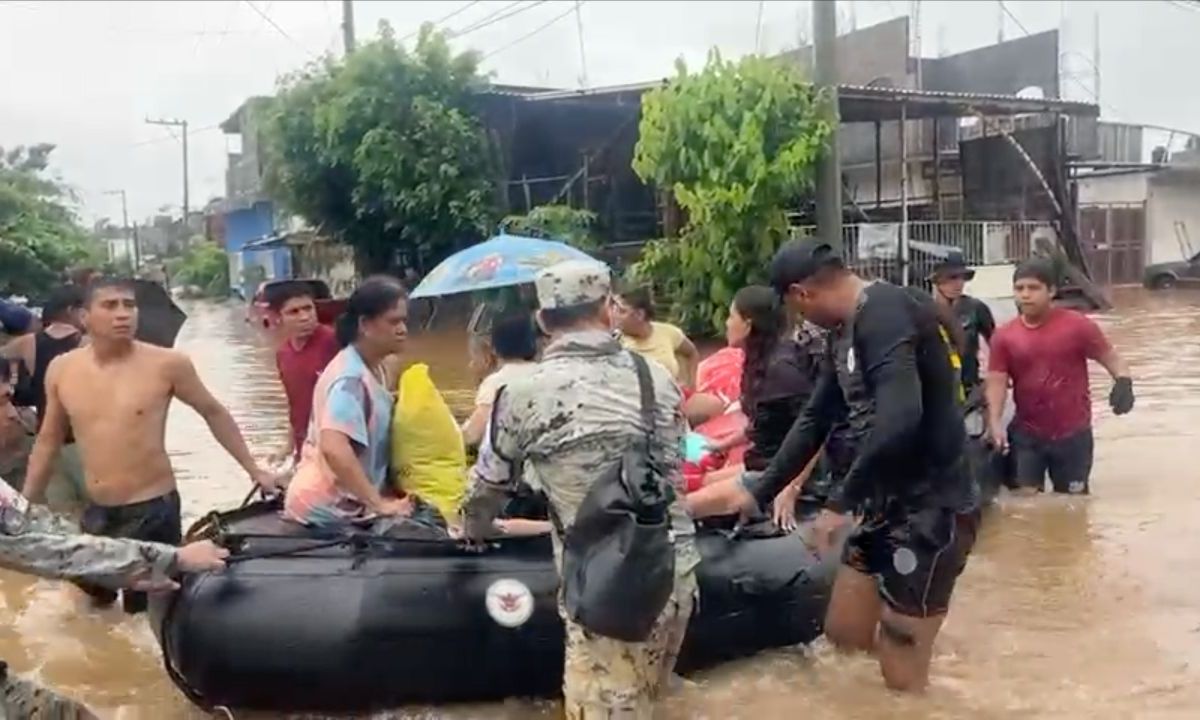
[[503, 261]]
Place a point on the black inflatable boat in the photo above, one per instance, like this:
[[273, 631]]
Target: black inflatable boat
[[297, 623]]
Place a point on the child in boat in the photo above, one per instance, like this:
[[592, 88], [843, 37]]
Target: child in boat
[[514, 344]]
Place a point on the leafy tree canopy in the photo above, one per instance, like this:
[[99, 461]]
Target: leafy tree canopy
[[40, 237], [382, 150], [556, 222], [736, 143]]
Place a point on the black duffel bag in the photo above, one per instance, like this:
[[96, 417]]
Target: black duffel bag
[[618, 564]]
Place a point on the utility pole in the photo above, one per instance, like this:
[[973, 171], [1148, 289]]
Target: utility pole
[[348, 25], [829, 173], [1096, 56], [129, 237], [999, 21], [184, 126]]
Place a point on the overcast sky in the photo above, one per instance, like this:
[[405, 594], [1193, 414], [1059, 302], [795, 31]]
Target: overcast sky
[[85, 75]]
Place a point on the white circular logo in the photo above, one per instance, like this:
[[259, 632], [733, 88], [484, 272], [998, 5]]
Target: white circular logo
[[904, 560], [509, 602]]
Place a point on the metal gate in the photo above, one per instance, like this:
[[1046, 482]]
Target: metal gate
[[1114, 239]]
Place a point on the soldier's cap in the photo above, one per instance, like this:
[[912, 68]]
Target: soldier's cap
[[799, 260], [571, 283]]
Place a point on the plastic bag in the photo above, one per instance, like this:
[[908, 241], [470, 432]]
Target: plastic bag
[[428, 457]]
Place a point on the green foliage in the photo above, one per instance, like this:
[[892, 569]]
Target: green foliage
[[382, 150], [206, 266], [556, 222], [736, 143], [39, 236]]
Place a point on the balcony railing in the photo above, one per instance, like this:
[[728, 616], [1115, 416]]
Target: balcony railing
[[874, 248]]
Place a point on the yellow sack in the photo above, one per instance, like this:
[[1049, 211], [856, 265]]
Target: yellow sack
[[428, 457]]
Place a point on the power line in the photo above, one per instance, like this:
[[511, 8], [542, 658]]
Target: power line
[[1014, 18], [441, 20], [1189, 6], [278, 29], [172, 136], [493, 19], [531, 33]]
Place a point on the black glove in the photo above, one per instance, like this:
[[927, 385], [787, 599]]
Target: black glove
[[1121, 397]]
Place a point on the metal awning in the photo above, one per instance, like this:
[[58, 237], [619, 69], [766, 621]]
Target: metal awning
[[859, 103]]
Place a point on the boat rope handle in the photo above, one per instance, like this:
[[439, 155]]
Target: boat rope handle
[[224, 710]]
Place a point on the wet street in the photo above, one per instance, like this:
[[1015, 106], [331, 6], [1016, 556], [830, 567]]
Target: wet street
[[1081, 608]]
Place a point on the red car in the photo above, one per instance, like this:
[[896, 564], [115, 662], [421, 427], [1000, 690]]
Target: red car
[[328, 307]]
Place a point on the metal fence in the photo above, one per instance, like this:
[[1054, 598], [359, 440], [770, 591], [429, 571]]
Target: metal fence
[[874, 249]]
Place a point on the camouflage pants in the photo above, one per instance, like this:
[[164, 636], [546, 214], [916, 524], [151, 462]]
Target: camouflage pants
[[26, 700], [606, 679]]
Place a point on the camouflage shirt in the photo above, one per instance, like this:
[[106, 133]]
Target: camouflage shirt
[[35, 541], [560, 424]]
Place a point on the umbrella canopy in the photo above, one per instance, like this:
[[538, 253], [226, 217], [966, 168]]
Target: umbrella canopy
[[503, 261], [159, 318]]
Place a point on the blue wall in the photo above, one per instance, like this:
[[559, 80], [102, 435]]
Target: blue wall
[[241, 227], [276, 264]]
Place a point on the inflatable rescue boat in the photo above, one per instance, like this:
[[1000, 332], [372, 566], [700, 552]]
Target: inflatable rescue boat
[[297, 623]]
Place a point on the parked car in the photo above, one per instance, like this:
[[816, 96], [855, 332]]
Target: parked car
[[328, 307], [1161, 276]]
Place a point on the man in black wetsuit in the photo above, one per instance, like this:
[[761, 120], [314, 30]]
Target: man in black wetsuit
[[890, 379], [949, 279]]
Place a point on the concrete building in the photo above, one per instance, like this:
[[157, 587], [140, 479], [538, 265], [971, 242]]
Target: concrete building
[[1134, 217], [247, 213]]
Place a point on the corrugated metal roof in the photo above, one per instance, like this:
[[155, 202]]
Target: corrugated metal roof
[[856, 98]]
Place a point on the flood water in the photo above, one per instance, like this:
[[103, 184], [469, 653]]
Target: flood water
[[1069, 608]]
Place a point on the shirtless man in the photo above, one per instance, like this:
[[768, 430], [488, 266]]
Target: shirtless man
[[114, 395]]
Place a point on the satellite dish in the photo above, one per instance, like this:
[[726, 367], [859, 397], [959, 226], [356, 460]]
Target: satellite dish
[[1033, 92]]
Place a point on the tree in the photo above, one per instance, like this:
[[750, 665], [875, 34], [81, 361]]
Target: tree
[[205, 266], [736, 143], [556, 222], [383, 152], [40, 237]]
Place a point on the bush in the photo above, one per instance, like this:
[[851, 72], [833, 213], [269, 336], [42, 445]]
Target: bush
[[206, 266]]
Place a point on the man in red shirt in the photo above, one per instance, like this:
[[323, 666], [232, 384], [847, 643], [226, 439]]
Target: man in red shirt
[[1044, 351], [307, 348]]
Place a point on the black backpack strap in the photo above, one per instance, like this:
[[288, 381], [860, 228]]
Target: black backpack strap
[[491, 426], [646, 390]]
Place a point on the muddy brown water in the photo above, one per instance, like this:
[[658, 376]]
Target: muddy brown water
[[1070, 608]]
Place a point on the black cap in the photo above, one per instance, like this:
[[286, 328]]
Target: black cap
[[799, 260], [954, 264]]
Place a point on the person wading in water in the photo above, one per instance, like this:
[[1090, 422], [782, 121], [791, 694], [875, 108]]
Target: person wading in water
[[568, 423], [114, 394], [949, 279], [890, 377], [306, 350], [60, 334], [1044, 352]]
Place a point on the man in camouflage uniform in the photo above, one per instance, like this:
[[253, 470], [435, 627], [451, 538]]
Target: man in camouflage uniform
[[35, 541], [555, 429]]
